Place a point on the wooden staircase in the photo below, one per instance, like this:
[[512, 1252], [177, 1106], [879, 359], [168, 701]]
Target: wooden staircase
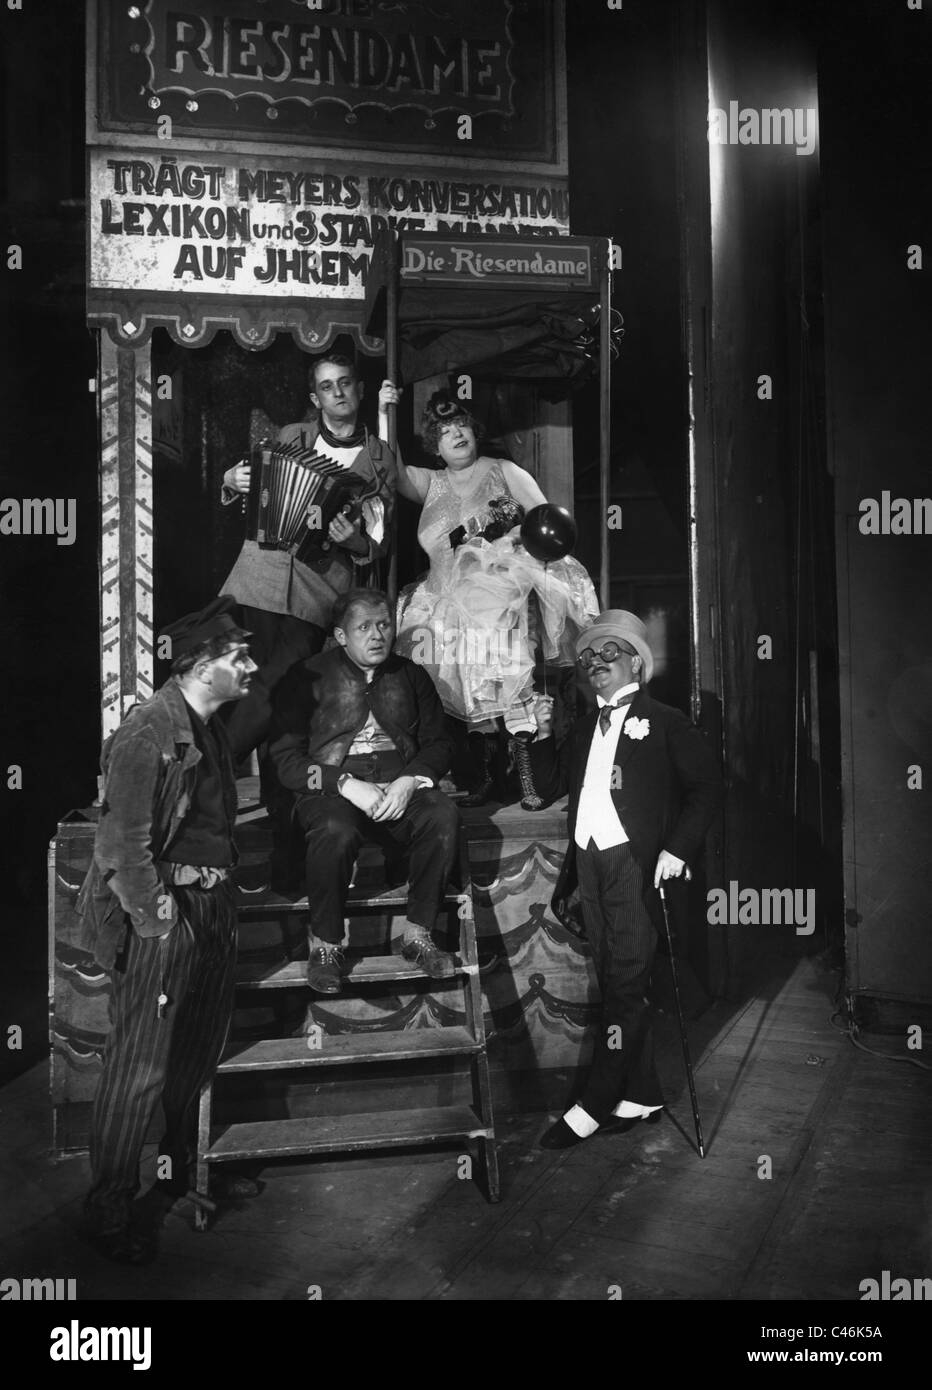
[[289, 1138]]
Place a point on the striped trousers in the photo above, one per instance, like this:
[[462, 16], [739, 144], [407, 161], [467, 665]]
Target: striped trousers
[[623, 941], [165, 1054]]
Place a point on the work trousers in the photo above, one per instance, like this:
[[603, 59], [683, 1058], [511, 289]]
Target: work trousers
[[166, 1054], [623, 941], [335, 829]]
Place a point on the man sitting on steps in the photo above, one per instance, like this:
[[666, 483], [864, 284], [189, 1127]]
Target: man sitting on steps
[[358, 735]]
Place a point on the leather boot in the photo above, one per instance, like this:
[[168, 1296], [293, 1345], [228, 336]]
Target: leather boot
[[482, 749], [520, 752]]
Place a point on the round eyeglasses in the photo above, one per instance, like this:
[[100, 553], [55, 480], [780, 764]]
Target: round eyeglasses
[[611, 651]]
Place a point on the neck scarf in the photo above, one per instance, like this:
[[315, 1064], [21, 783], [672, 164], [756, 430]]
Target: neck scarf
[[351, 441]]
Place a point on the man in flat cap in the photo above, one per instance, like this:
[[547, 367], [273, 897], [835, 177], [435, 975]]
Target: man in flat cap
[[158, 912], [643, 788]]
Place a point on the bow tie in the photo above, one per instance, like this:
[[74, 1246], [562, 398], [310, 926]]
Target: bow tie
[[605, 713]]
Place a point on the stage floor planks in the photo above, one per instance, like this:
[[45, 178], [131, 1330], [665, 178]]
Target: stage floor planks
[[847, 1135]]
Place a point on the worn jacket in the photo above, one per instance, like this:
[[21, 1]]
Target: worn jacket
[[669, 788], [276, 582], [150, 768], [322, 703]]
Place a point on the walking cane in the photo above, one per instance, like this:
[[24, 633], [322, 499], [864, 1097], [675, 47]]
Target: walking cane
[[682, 1022]]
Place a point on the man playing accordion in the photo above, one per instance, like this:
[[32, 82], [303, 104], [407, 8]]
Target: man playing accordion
[[287, 602]]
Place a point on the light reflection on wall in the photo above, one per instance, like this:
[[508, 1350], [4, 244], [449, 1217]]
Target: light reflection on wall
[[802, 98], [716, 171]]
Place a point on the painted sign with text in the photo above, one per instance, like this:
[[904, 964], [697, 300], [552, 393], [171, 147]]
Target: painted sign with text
[[245, 228], [472, 78], [519, 265]]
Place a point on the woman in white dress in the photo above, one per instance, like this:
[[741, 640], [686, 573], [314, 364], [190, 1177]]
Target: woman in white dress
[[468, 620]]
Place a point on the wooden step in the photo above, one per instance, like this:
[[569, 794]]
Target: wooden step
[[344, 1133], [263, 904], [274, 1054], [366, 970]]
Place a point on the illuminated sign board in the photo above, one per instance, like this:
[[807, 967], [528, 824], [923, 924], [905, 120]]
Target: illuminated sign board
[[476, 79]]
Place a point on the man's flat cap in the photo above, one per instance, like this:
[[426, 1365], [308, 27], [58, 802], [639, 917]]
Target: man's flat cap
[[194, 629]]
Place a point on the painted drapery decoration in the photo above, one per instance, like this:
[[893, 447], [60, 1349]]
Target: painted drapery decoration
[[538, 986]]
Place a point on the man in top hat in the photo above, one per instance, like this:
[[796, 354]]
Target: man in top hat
[[158, 912], [643, 788]]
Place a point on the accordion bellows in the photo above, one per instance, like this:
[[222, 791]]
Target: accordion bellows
[[294, 494]]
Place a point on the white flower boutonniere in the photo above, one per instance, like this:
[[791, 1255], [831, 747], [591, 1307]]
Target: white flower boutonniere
[[637, 728]]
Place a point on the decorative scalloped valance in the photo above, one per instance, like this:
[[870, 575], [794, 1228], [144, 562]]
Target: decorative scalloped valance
[[193, 320]]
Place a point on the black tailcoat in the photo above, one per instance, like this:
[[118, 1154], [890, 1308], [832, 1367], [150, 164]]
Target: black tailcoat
[[667, 789]]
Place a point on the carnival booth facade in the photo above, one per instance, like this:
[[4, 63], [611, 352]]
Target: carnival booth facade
[[243, 220]]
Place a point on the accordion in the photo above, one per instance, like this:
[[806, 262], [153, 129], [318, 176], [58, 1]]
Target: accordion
[[294, 494]]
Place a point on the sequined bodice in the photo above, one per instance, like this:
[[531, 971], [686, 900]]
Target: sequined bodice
[[446, 507]]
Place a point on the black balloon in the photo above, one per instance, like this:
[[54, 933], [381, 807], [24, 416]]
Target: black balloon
[[548, 532]]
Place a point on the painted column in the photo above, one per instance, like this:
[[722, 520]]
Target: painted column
[[126, 539]]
